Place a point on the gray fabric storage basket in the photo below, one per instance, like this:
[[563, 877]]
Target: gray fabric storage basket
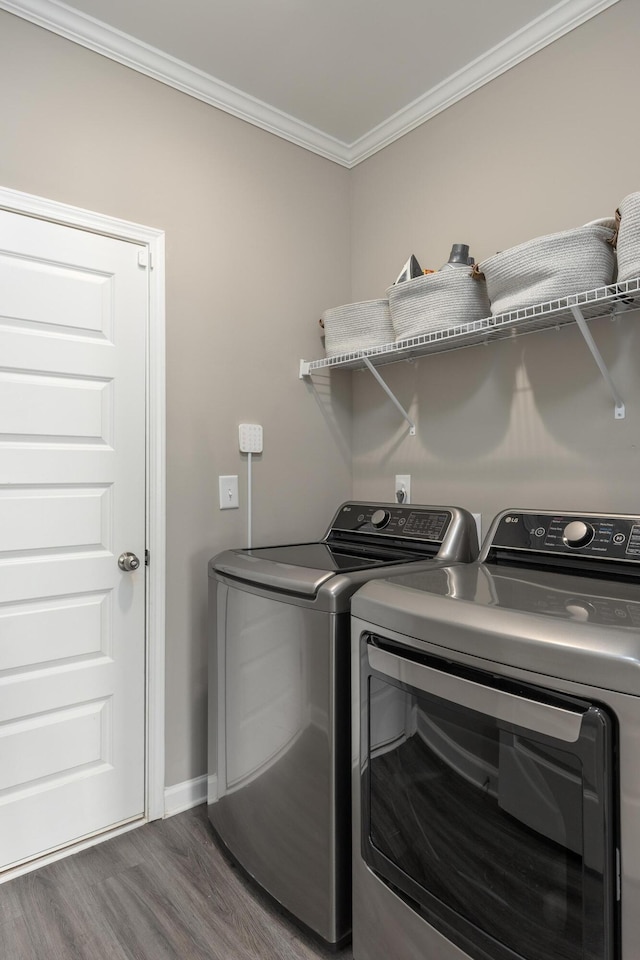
[[357, 326], [628, 215], [550, 268], [438, 301]]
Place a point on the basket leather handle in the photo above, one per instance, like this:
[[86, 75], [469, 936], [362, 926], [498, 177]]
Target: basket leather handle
[[614, 239]]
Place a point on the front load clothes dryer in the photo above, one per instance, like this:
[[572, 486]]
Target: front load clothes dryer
[[281, 718], [496, 749]]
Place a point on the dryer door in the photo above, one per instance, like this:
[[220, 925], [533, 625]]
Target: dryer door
[[488, 805]]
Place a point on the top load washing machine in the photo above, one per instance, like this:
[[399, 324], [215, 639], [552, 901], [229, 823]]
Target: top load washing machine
[[496, 749], [281, 719]]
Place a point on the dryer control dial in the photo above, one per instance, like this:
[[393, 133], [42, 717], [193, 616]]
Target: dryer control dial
[[578, 534], [380, 518]]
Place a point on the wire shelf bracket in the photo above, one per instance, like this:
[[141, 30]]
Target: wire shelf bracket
[[391, 395], [619, 409], [307, 367]]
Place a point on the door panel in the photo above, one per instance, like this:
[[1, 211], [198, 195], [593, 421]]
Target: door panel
[[55, 408], [73, 308]]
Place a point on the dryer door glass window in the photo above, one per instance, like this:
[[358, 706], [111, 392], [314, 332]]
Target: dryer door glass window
[[499, 834]]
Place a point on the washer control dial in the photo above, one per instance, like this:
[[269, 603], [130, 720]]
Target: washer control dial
[[578, 534], [380, 518]]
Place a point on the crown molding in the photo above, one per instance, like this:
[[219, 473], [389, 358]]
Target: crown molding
[[109, 42], [542, 31]]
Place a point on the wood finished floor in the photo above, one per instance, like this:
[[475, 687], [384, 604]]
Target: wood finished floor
[[161, 892]]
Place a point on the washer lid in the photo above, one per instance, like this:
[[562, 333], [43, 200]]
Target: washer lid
[[341, 557], [248, 566], [302, 568], [572, 627]]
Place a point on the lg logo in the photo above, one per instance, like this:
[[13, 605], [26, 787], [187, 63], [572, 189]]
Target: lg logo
[[512, 519]]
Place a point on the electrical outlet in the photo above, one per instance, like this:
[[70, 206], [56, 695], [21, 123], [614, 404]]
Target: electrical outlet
[[478, 519], [402, 490], [228, 490], [250, 436]]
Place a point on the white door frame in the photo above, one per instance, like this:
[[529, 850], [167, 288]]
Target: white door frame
[[24, 203]]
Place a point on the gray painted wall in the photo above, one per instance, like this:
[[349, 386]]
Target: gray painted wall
[[549, 145], [528, 422]]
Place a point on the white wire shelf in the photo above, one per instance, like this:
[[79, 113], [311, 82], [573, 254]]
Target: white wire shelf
[[602, 302]]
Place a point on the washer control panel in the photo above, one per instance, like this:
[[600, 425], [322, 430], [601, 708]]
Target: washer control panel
[[614, 537], [397, 521]]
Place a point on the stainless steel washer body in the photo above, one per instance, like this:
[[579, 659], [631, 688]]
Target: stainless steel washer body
[[492, 673], [280, 658]]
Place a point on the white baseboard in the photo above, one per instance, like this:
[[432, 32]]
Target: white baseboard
[[183, 796]]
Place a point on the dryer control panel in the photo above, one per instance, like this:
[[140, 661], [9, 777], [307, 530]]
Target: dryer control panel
[[611, 538]]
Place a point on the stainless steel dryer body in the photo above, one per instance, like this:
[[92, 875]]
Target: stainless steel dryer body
[[496, 749]]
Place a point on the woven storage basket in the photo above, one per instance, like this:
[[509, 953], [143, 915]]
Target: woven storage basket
[[550, 268], [438, 301], [629, 237], [357, 326]]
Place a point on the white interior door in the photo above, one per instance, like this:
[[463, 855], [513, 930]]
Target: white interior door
[[73, 309]]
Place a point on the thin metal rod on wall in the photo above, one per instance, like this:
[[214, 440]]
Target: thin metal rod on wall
[[387, 390], [597, 356]]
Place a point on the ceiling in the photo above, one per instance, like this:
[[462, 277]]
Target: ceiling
[[340, 77]]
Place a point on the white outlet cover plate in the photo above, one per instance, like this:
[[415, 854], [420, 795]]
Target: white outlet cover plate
[[403, 482], [478, 519]]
